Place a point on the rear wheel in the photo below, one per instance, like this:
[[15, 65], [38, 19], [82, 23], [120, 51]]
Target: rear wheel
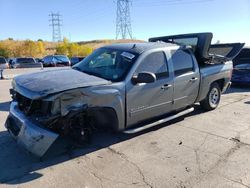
[[212, 99]]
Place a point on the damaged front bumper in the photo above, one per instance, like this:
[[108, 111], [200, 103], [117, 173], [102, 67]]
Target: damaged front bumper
[[33, 137]]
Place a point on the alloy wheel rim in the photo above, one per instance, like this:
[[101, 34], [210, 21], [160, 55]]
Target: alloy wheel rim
[[214, 97]]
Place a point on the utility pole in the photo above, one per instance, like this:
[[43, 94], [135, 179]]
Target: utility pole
[[56, 23], [123, 19]]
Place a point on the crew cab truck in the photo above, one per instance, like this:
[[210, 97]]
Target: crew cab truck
[[125, 87]]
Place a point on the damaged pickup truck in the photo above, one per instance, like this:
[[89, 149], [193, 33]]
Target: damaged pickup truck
[[124, 87]]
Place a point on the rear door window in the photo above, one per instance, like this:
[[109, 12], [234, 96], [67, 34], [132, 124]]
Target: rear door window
[[47, 59], [26, 60], [156, 63], [182, 62]]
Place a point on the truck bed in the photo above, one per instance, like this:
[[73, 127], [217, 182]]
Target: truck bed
[[211, 72]]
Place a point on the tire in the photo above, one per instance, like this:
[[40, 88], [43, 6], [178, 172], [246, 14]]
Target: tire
[[212, 99]]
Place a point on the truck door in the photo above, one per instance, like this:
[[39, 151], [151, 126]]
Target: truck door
[[145, 101], [186, 78]]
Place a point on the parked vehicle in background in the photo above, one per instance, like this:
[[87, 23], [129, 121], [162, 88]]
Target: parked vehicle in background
[[56, 61], [3, 63], [124, 87], [10, 62], [39, 60], [25, 62], [75, 60], [241, 68]]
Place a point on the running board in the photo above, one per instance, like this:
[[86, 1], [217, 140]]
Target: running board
[[139, 129]]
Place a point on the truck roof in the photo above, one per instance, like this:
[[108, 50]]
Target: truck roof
[[139, 48]]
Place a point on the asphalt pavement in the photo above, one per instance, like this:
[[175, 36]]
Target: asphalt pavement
[[202, 149]]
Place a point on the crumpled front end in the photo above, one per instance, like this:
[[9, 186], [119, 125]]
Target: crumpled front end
[[33, 137], [37, 122]]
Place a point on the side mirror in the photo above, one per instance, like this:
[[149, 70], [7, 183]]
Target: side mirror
[[144, 77]]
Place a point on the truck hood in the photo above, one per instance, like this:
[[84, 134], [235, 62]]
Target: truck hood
[[40, 84]]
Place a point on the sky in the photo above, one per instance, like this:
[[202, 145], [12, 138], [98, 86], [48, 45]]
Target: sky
[[83, 20]]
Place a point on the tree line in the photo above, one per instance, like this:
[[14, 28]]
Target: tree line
[[28, 48]]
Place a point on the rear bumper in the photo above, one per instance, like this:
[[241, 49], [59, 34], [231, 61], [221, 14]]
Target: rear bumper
[[34, 138]]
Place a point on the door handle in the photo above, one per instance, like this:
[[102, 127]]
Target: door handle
[[166, 86], [193, 79]]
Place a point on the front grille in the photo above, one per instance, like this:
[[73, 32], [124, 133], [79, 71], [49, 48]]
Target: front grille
[[24, 103], [32, 107]]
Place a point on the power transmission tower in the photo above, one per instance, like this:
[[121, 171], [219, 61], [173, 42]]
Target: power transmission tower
[[123, 19], [56, 23]]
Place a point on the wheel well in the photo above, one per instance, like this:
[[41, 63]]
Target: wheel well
[[221, 83], [104, 117]]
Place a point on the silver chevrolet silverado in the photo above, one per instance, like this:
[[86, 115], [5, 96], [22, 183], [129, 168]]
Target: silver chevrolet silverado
[[124, 87]]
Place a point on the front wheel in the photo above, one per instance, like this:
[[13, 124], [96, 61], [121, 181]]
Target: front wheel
[[212, 99]]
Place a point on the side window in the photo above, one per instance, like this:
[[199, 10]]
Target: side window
[[47, 59], [156, 63], [182, 62]]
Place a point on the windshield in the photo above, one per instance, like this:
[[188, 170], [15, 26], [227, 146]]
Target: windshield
[[109, 64], [25, 60], [243, 57], [74, 60], [61, 58], [2, 60]]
